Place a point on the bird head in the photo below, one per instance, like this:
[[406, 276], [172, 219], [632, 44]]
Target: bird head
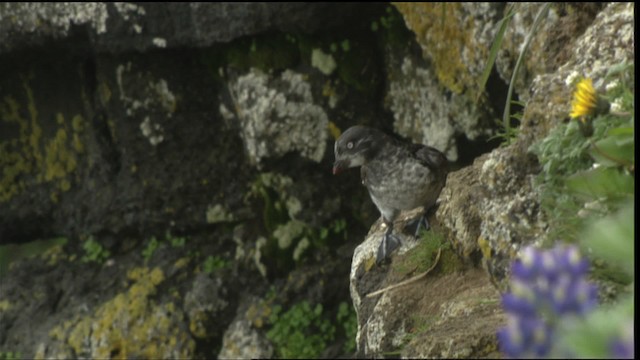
[[355, 147]]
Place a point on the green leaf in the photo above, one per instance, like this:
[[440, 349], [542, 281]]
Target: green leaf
[[619, 68], [614, 150], [534, 28], [591, 338], [612, 238], [627, 130], [493, 53], [601, 181]]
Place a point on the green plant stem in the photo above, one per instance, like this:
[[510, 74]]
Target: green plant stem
[[493, 52], [507, 109]]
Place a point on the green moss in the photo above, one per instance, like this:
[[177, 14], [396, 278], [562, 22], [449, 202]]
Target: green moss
[[47, 249], [94, 252], [10, 355], [347, 318], [422, 257], [213, 263], [150, 249], [300, 332], [278, 51], [353, 66], [266, 52]]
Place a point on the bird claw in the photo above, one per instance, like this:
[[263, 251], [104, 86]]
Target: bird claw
[[418, 224], [388, 244]]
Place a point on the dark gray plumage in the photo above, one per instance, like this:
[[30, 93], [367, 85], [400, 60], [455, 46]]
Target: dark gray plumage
[[399, 176]]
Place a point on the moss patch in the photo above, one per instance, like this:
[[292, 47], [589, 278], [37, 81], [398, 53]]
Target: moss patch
[[422, 257]]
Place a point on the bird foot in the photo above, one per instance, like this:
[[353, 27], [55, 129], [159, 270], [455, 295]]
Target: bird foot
[[388, 244], [418, 224]]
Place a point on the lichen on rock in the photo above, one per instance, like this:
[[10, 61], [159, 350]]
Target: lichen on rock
[[425, 114], [278, 115], [132, 324]]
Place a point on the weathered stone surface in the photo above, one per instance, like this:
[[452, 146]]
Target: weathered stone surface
[[111, 130], [278, 116], [428, 318], [491, 207], [427, 115], [438, 102], [116, 27], [111, 125], [490, 210], [127, 314], [242, 341], [551, 44], [91, 159], [456, 38], [608, 41]]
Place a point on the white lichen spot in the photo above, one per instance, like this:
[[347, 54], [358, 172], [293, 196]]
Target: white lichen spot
[[612, 85], [286, 233], [137, 28], [572, 78], [300, 248], [323, 62], [159, 42], [257, 255], [127, 9], [616, 106], [278, 115], [226, 114], [218, 214], [153, 132], [423, 113], [166, 97], [155, 96], [333, 101]]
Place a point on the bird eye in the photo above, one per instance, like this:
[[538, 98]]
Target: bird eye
[[350, 145]]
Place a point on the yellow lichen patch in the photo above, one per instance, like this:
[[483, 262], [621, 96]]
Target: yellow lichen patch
[[17, 157], [77, 123], [104, 93], [132, 324], [445, 32], [334, 130], [485, 247], [54, 254], [31, 154], [258, 314], [5, 305], [182, 262], [197, 324]]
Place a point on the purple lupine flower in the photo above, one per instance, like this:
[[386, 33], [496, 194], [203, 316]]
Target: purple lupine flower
[[623, 347], [545, 285]]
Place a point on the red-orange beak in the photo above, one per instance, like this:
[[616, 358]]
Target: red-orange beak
[[338, 166]]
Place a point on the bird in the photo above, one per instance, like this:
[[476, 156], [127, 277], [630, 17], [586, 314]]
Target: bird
[[398, 175]]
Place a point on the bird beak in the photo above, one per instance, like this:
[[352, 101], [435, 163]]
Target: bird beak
[[338, 166]]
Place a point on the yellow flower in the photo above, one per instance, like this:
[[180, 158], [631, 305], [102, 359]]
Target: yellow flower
[[585, 100]]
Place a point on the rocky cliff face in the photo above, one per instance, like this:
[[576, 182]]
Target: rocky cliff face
[[180, 156]]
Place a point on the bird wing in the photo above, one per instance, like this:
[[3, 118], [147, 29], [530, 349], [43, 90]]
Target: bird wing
[[429, 156]]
